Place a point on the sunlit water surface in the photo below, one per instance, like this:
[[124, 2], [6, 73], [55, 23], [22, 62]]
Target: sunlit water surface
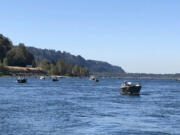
[[78, 106]]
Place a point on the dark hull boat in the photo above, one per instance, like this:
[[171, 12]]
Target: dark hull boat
[[21, 80], [96, 80], [55, 80], [130, 89], [93, 79]]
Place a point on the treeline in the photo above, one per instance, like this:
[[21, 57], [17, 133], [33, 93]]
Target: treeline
[[139, 75], [63, 68], [93, 66], [11, 55]]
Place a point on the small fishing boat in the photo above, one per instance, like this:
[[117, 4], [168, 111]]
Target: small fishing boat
[[42, 77], [178, 79], [21, 80], [92, 77], [129, 88], [96, 80], [55, 79]]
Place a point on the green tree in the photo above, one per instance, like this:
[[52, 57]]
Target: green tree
[[5, 62], [5, 46], [76, 70], [69, 70], [53, 69], [3, 69], [84, 71], [45, 65], [62, 67], [19, 56]]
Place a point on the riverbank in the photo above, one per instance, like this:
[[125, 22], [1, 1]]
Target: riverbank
[[24, 71]]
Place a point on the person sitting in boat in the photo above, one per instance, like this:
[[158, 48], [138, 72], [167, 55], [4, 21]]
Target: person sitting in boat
[[125, 82], [19, 78]]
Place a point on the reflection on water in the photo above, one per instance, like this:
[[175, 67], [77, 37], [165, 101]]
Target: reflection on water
[[80, 106]]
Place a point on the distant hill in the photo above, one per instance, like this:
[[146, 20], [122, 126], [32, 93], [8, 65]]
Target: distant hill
[[93, 66]]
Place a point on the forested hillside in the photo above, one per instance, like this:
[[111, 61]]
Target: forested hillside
[[93, 66], [11, 55], [55, 62]]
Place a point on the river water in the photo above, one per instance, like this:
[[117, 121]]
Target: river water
[[78, 106]]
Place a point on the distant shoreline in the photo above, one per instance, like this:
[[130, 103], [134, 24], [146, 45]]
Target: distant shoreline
[[26, 71], [138, 75]]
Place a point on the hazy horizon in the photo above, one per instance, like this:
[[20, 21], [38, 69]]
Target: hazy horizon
[[140, 36]]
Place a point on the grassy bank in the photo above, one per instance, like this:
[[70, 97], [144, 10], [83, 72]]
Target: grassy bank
[[24, 71]]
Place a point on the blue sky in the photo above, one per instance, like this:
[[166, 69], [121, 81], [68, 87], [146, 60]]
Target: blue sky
[[139, 35]]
